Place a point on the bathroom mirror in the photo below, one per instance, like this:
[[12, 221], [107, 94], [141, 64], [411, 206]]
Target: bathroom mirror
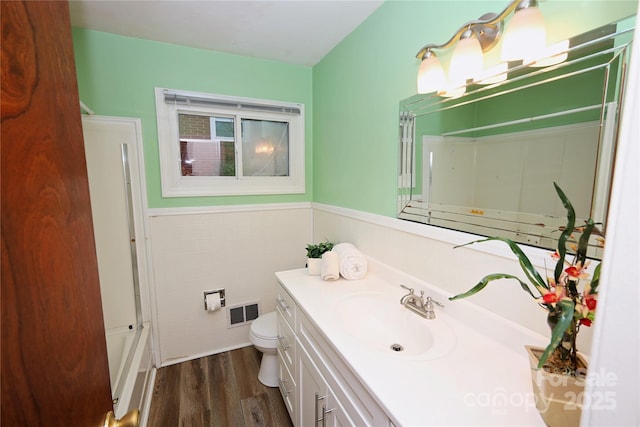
[[485, 162]]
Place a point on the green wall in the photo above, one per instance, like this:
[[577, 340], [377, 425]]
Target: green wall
[[117, 76], [351, 97], [358, 86]]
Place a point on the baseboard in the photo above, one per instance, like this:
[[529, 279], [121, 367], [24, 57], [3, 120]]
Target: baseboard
[[146, 406], [205, 354]]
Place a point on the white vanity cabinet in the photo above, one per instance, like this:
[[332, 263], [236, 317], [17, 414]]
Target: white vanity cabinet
[[326, 351], [319, 389]]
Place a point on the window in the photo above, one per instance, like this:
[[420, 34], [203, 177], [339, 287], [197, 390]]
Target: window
[[213, 145]]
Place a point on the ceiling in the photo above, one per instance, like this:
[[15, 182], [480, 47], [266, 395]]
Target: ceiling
[[292, 31]]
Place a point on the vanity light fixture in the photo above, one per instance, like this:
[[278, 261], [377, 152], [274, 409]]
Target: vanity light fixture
[[466, 62], [526, 35], [524, 41], [431, 76]]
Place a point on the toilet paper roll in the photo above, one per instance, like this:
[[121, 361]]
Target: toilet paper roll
[[213, 302]]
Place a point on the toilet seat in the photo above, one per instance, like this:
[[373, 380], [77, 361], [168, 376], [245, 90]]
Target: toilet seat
[[264, 330], [263, 334]]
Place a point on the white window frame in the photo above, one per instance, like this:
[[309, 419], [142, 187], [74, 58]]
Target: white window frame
[[176, 185]]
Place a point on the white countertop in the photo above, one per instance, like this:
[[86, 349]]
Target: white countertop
[[484, 379]]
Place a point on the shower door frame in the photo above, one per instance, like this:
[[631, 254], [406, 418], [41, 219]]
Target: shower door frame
[[134, 179]]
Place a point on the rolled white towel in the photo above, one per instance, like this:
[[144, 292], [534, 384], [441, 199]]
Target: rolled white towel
[[353, 264], [330, 268]]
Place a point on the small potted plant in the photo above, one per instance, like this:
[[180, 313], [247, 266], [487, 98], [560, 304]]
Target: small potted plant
[[314, 256], [569, 296]]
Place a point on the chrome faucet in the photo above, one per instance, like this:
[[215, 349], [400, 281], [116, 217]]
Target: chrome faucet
[[419, 304]]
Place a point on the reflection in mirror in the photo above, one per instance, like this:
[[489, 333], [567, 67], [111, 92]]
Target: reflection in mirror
[[485, 162]]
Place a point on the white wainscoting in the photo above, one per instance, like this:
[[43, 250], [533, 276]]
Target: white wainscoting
[[240, 247], [233, 247]]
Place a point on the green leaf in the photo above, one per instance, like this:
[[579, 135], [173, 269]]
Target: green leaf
[[531, 273], [595, 280], [316, 251], [490, 278], [564, 322], [562, 240], [583, 243], [533, 279]]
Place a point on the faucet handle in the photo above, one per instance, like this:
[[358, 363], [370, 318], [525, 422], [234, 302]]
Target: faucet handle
[[428, 308], [431, 300], [407, 288]]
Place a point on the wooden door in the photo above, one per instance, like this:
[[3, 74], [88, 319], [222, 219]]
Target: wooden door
[[54, 359]]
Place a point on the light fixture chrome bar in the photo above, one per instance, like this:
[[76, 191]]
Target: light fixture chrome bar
[[482, 25]]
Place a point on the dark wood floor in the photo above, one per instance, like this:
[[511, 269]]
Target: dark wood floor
[[220, 390]]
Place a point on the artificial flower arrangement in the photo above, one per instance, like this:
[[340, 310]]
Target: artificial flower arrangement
[[569, 305]]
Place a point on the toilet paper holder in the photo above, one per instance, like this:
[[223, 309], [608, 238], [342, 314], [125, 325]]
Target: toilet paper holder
[[215, 291]]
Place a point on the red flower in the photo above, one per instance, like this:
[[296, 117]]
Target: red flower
[[573, 271], [590, 302], [577, 271], [586, 322], [549, 298]]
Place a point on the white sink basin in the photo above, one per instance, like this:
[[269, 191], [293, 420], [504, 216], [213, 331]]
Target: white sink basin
[[381, 323]]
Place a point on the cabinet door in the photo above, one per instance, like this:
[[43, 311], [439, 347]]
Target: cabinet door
[[336, 415], [312, 390], [287, 388], [318, 405]]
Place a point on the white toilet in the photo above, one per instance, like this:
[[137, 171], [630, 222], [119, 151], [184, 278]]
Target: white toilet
[[264, 337]]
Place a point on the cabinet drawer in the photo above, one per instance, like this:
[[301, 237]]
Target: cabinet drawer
[[286, 342], [285, 306], [287, 387]]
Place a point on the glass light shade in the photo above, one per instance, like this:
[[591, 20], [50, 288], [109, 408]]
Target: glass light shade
[[525, 35], [450, 91], [554, 54], [466, 62], [495, 74], [431, 76]]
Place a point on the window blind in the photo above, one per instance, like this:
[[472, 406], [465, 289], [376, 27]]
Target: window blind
[[175, 98]]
